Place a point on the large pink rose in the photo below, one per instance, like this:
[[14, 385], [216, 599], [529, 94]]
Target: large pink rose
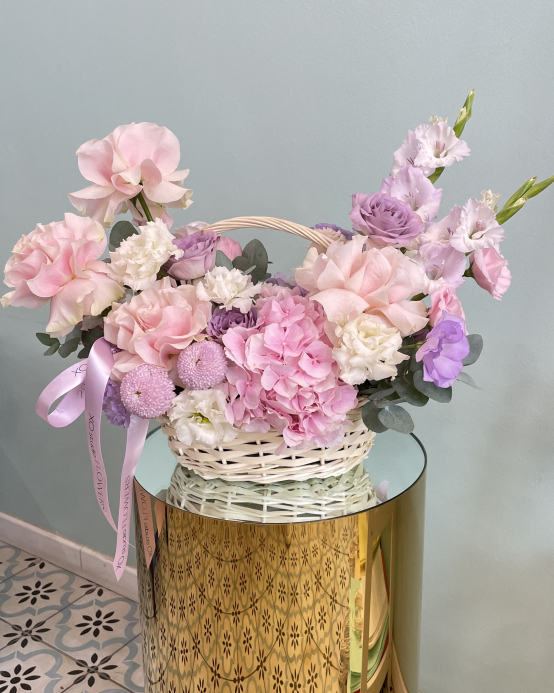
[[154, 326], [59, 263], [351, 278], [491, 272], [133, 158]]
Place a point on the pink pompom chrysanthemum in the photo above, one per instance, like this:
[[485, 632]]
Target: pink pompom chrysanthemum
[[147, 391], [202, 365]]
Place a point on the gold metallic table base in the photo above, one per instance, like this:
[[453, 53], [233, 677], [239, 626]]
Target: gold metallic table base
[[250, 608]]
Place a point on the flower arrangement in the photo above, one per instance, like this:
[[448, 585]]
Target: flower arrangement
[[189, 326], [202, 334]]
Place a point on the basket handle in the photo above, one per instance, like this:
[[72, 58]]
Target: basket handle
[[271, 223]]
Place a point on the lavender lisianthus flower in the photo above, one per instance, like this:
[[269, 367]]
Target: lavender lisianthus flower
[[443, 351], [113, 406], [198, 257], [223, 320], [347, 234], [384, 219]]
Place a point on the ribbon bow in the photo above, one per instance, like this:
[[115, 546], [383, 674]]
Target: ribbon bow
[[82, 387]]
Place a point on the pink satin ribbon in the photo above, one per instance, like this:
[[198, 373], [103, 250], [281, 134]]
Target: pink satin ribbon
[[82, 387]]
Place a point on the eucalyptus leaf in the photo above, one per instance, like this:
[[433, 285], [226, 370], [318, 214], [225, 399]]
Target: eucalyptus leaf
[[396, 418], [475, 349], [90, 336], [241, 263], [221, 260], [409, 392], [255, 252], [69, 346], [46, 339], [52, 350], [468, 380], [382, 393], [439, 394], [415, 365], [370, 417], [120, 231]]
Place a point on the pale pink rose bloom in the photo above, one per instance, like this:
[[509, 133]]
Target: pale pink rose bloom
[[133, 158], [444, 299], [58, 262], [410, 185], [351, 278], [230, 247], [155, 325], [491, 271]]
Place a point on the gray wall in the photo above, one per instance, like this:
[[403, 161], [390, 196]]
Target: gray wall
[[285, 109]]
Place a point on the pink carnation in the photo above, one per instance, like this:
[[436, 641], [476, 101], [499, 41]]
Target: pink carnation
[[59, 263], [154, 326], [285, 376], [140, 157], [351, 278]]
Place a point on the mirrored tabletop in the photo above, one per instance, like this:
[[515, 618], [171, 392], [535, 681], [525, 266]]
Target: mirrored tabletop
[[393, 465]]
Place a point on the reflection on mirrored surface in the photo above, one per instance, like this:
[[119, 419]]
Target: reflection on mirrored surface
[[279, 502]]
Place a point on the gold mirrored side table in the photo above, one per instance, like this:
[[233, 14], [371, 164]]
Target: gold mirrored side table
[[304, 598]]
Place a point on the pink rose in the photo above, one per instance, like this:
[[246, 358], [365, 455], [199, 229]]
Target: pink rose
[[154, 326], [133, 158], [230, 247], [350, 278], [444, 299], [59, 263], [491, 271]]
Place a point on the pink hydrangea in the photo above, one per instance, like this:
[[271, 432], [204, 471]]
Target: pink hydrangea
[[285, 376], [155, 326], [140, 157], [59, 263]]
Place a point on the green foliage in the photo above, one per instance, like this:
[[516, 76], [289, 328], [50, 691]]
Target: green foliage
[[88, 338], [396, 418], [120, 231], [475, 349], [439, 394], [253, 261], [370, 417], [468, 380], [52, 343], [221, 260]]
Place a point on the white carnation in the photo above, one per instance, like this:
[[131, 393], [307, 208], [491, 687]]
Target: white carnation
[[367, 350], [477, 228], [230, 288], [198, 417], [140, 257]]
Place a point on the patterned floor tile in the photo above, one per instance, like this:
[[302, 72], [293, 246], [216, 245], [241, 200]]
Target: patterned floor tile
[[38, 592], [100, 622], [129, 670], [14, 635], [35, 668], [13, 561]]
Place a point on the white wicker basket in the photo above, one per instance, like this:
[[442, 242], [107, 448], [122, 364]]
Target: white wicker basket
[[253, 456], [282, 502]]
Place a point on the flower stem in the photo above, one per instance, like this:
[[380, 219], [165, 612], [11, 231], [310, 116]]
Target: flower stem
[[140, 198], [412, 346]]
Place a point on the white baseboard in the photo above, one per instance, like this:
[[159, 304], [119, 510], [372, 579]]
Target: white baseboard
[[69, 555]]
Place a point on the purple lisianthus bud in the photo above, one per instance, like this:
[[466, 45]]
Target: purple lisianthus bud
[[443, 351], [198, 256], [223, 320], [113, 407], [347, 234], [384, 219]]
